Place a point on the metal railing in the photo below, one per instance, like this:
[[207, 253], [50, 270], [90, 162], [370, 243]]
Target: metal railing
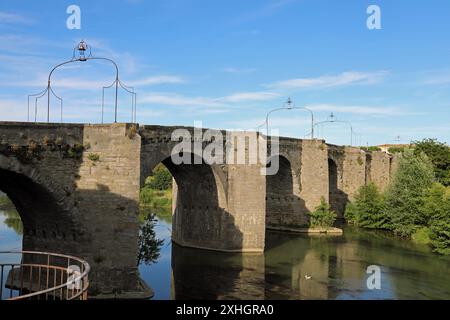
[[30, 275]]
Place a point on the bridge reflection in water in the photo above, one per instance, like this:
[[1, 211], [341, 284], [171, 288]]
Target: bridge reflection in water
[[293, 267]]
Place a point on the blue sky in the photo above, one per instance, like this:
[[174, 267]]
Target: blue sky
[[227, 63]]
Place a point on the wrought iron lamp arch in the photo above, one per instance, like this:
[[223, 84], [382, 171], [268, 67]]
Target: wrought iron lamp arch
[[289, 105], [331, 119], [82, 47]]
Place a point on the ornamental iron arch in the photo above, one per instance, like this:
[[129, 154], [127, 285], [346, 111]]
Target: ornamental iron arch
[[84, 54]]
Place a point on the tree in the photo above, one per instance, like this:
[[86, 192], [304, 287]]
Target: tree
[[437, 207], [149, 245], [322, 216], [160, 179], [405, 194], [368, 208], [439, 154]]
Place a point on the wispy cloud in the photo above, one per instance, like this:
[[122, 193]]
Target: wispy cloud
[[437, 78], [155, 80], [238, 70], [179, 100], [250, 96], [174, 99], [343, 79], [14, 18], [265, 11], [360, 110]]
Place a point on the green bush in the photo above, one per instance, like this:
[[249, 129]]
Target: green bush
[[160, 179], [437, 207], [405, 194], [371, 148], [396, 149], [368, 208], [439, 154], [322, 216]]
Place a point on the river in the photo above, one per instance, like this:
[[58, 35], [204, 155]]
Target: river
[[292, 267]]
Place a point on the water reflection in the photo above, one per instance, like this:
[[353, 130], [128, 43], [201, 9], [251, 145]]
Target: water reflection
[[292, 267]]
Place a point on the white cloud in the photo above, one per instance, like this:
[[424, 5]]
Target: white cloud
[[250, 96], [13, 18], [202, 101], [343, 79], [155, 80], [238, 70], [437, 78], [179, 100], [361, 110]]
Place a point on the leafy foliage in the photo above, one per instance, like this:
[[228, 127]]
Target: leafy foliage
[[368, 208], [149, 245], [404, 196], [439, 154], [437, 207], [322, 216], [396, 149], [161, 179], [371, 148]]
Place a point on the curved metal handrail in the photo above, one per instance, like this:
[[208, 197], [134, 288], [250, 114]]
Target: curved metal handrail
[[75, 286]]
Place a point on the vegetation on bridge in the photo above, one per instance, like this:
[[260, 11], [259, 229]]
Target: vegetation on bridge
[[416, 203]]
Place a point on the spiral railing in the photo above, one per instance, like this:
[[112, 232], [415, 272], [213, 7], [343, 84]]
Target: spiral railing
[[30, 275]]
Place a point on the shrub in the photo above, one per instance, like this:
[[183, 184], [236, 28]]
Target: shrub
[[437, 207], [439, 154], [404, 196], [396, 149], [368, 208], [161, 179], [322, 216]]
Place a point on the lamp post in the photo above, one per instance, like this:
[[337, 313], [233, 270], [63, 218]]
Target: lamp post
[[289, 105], [82, 49], [331, 119]]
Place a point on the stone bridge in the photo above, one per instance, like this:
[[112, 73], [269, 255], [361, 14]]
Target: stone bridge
[[76, 188]]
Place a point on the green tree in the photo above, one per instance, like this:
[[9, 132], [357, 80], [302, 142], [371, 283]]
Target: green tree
[[396, 149], [368, 208], [160, 179], [439, 154], [322, 216], [436, 206], [405, 194]]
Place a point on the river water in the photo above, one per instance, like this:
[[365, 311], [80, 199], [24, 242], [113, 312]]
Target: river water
[[292, 267]]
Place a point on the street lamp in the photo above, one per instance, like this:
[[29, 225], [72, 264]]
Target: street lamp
[[84, 54], [332, 119], [289, 105]]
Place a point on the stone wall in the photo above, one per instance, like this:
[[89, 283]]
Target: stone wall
[[379, 169]]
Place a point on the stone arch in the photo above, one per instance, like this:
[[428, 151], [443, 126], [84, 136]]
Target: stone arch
[[337, 198], [200, 213], [284, 207], [41, 204]]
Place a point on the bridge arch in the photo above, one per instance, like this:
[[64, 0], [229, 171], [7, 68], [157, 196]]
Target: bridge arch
[[200, 213], [337, 197], [41, 205], [284, 206]]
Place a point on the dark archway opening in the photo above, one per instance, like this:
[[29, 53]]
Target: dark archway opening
[[337, 198], [284, 208], [191, 214]]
